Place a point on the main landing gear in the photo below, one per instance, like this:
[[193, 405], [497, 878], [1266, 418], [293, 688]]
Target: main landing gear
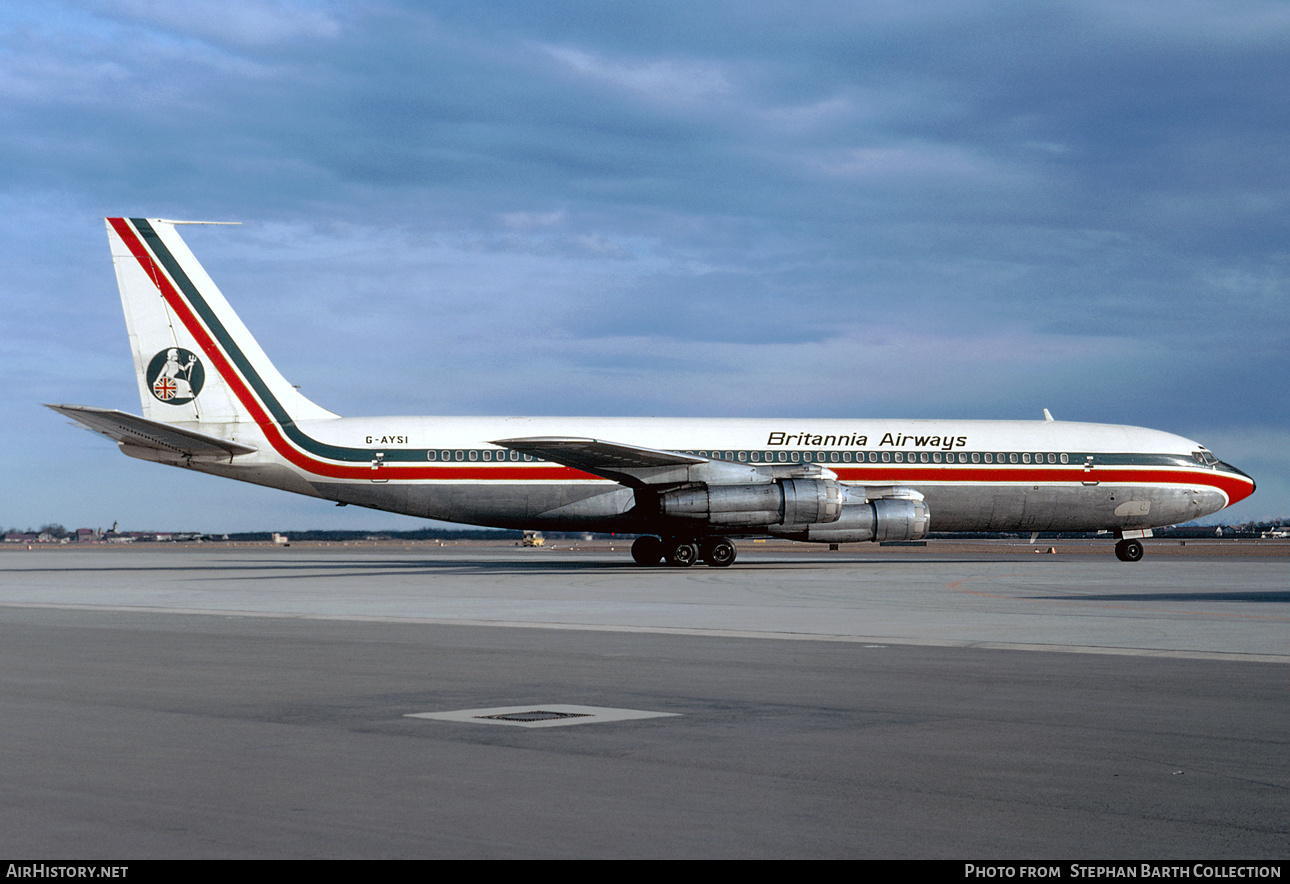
[[683, 552], [1129, 550]]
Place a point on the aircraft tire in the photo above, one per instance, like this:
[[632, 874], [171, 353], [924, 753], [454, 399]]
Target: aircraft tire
[[720, 553], [1129, 551], [647, 550], [683, 554]]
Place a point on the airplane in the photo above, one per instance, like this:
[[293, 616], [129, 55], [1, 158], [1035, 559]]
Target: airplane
[[214, 403]]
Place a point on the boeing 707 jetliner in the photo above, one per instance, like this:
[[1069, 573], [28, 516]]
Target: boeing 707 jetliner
[[213, 402]]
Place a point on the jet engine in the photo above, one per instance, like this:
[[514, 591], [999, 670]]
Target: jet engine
[[886, 518], [786, 502]]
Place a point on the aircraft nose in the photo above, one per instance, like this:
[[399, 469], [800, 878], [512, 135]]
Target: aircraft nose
[[1228, 468], [1223, 465]]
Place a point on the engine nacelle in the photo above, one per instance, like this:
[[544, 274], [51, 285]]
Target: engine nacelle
[[788, 502], [886, 518]]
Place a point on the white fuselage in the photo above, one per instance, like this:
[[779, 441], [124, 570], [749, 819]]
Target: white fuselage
[[974, 475]]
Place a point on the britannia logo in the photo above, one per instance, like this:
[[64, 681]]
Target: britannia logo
[[175, 376]]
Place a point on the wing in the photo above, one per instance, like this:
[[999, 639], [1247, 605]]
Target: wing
[[638, 467], [127, 429]]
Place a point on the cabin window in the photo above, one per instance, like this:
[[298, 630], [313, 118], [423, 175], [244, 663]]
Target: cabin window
[[1025, 458], [474, 455], [430, 455], [1065, 458]]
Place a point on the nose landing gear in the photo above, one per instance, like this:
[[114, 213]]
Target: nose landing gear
[[1129, 550]]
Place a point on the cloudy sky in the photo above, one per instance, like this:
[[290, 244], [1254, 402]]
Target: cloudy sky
[[909, 210]]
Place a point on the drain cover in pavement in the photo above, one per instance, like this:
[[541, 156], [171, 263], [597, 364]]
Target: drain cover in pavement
[[541, 715]]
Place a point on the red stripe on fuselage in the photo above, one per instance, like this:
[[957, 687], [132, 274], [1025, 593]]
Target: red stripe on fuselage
[[1234, 487]]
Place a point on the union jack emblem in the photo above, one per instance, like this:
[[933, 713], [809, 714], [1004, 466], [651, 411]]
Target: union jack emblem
[[164, 389]]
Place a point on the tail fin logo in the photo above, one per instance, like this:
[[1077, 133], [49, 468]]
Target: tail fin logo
[[175, 376]]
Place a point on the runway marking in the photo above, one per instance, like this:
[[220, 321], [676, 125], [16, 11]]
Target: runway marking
[[874, 642], [957, 586]]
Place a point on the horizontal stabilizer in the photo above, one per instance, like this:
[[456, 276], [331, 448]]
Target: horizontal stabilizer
[[129, 429]]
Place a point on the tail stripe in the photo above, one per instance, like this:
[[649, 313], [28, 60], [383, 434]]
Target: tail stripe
[[149, 240], [215, 341]]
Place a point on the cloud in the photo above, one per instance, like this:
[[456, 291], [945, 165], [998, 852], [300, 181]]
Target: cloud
[[668, 81], [254, 23]]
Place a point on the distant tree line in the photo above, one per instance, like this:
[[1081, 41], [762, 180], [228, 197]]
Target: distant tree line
[[51, 530]]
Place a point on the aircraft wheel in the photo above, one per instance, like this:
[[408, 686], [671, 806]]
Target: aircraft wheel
[[720, 553], [1129, 550], [647, 550], [683, 554]]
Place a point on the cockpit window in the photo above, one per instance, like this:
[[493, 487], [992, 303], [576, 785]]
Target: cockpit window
[[1204, 457]]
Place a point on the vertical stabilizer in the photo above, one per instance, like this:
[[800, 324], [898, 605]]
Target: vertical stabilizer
[[193, 358]]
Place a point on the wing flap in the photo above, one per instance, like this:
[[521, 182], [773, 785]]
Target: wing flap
[[632, 465], [129, 429], [583, 453]]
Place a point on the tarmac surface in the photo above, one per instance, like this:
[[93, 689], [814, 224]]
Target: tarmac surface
[[966, 701]]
